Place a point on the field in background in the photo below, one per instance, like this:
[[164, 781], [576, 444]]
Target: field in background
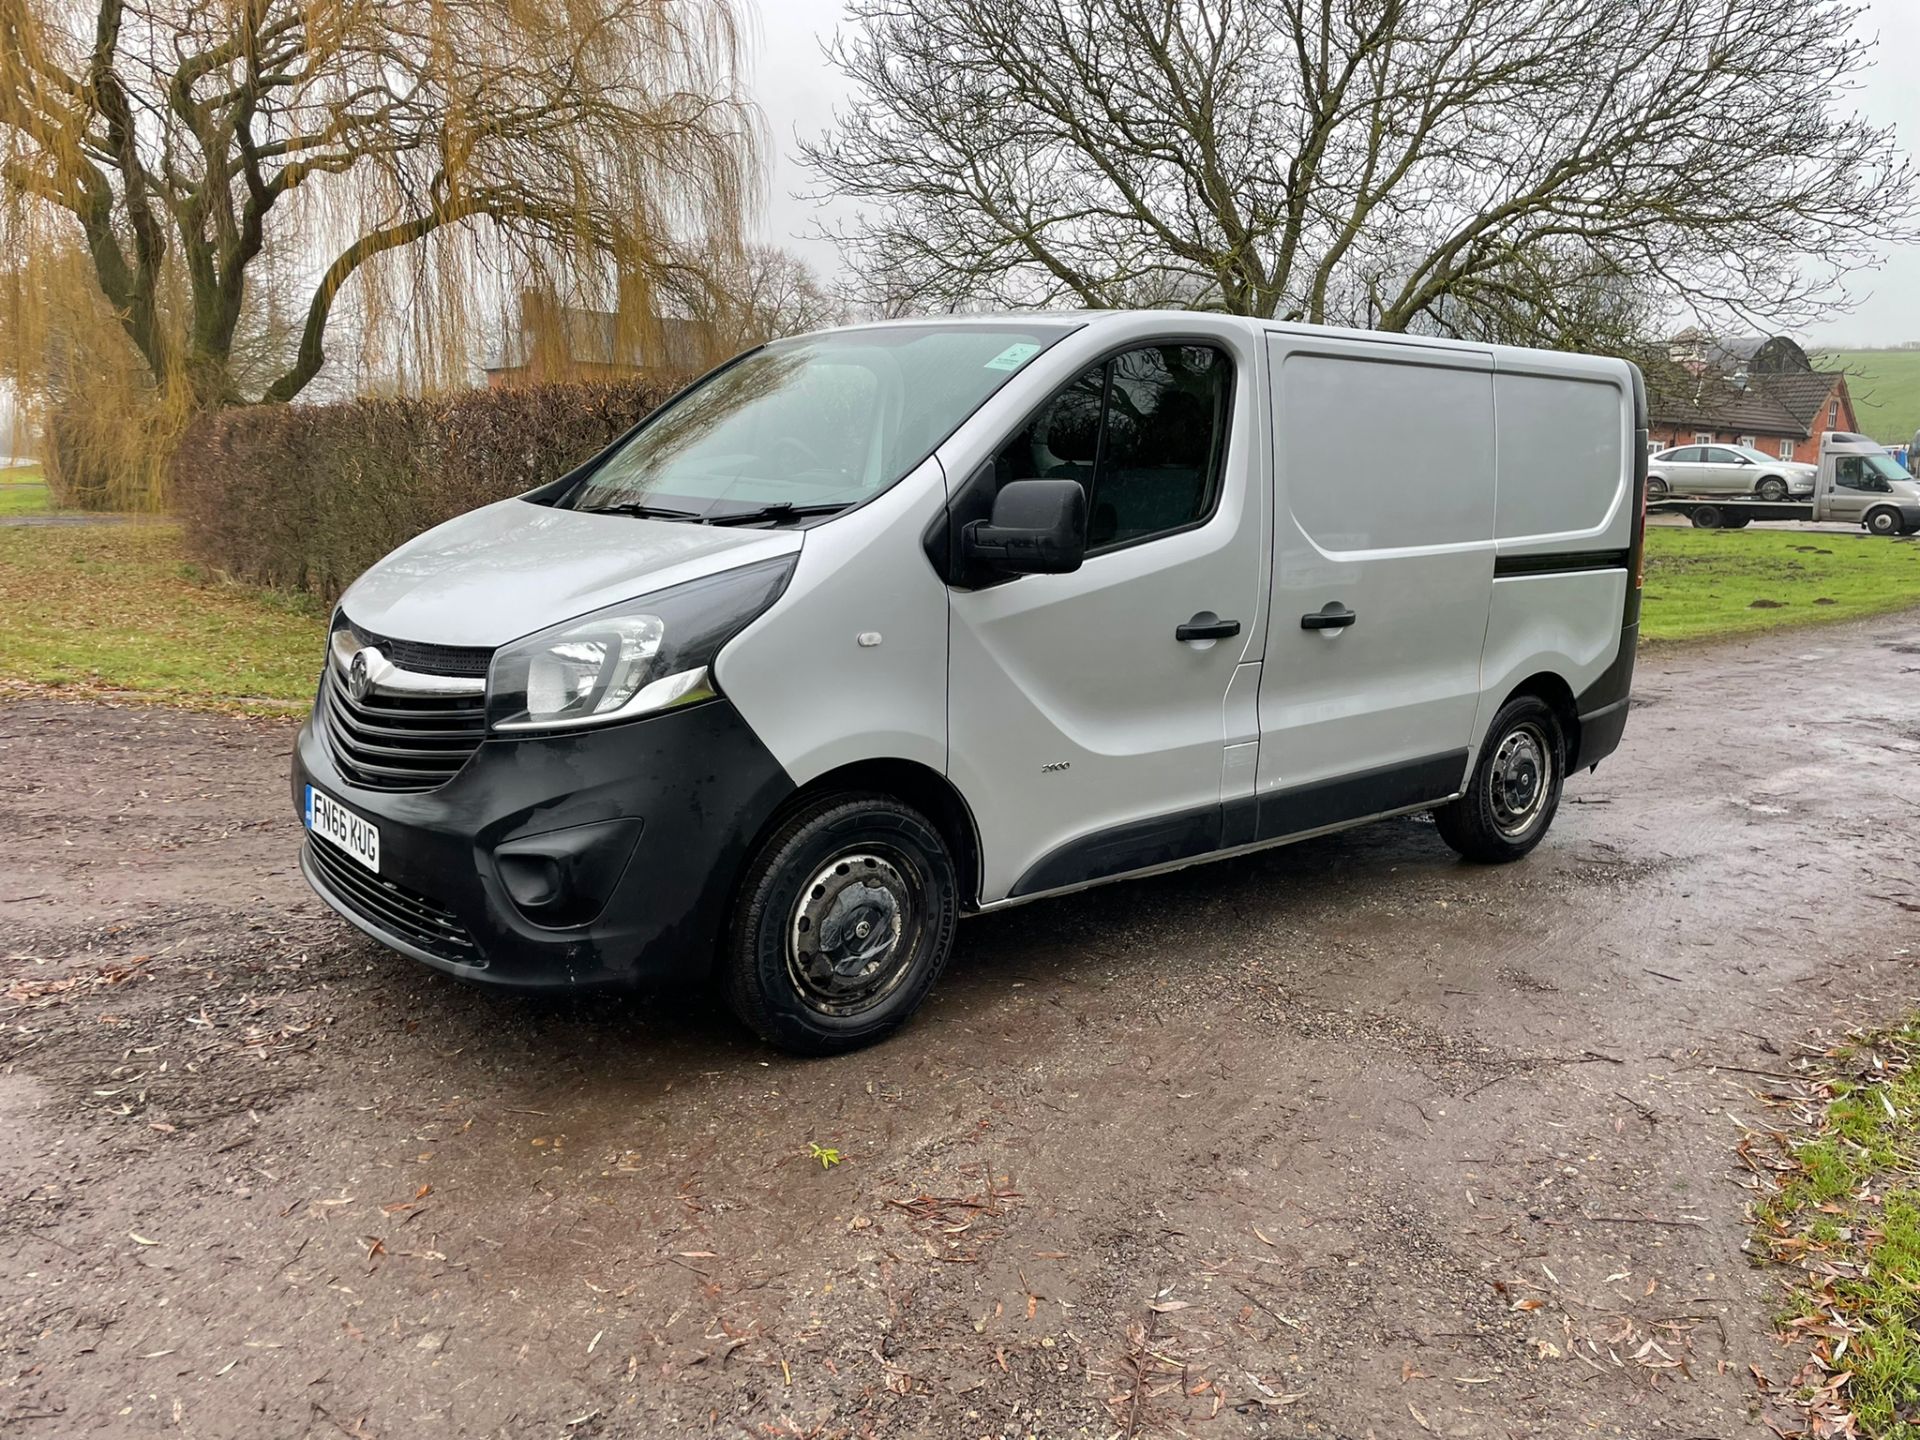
[[1885, 385], [117, 609], [23, 491]]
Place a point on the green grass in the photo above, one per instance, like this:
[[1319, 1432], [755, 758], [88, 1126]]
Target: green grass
[[1846, 1213], [107, 609], [1885, 385], [23, 491], [1704, 583]]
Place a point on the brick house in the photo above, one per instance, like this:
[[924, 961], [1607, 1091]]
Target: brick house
[[552, 341], [1763, 393]]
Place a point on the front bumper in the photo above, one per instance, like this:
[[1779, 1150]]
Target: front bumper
[[593, 857]]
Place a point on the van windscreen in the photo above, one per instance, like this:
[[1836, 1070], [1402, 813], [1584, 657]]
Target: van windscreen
[[810, 423]]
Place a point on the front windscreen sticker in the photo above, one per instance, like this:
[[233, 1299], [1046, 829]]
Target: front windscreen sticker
[[1012, 358]]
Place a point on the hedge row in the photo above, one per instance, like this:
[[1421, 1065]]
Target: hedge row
[[305, 497]]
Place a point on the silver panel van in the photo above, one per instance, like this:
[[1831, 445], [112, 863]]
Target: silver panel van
[[873, 629]]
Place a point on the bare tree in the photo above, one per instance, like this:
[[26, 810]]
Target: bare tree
[[184, 150], [1519, 166], [745, 297]]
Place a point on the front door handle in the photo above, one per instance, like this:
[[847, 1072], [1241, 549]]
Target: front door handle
[[1207, 626], [1331, 616]]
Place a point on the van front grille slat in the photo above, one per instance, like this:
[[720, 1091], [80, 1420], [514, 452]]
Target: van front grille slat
[[392, 907], [401, 742]]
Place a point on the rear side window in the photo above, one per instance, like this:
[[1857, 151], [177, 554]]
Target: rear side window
[[1144, 433], [1686, 455]]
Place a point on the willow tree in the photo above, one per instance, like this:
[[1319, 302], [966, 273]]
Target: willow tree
[[1518, 167], [214, 179]]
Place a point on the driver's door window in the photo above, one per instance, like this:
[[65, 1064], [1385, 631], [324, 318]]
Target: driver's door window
[[1143, 433], [1850, 473], [1062, 441]]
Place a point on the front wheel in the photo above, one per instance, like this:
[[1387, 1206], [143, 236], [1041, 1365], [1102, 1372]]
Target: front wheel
[[1772, 488], [1885, 522], [843, 922], [1514, 791]]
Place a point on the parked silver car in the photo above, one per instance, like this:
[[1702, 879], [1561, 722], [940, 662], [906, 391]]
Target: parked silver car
[[1726, 470]]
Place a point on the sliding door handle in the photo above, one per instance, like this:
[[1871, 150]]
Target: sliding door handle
[[1207, 626], [1331, 616]]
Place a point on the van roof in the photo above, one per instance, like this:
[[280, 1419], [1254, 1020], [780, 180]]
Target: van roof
[[1515, 357]]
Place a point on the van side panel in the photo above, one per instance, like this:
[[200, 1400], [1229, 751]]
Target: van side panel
[[1384, 479], [816, 692], [1566, 531]]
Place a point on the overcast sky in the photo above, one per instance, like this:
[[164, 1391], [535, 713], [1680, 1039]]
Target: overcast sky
[[798, 91]]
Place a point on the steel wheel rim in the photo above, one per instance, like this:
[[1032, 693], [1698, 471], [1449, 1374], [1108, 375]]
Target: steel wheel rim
[[1520, 779], [854, 930]]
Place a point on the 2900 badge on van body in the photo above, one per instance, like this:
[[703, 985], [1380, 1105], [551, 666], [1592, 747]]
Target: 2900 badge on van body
[[615, 729]]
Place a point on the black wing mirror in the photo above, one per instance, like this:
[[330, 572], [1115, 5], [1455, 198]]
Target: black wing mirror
[[1039, 527]]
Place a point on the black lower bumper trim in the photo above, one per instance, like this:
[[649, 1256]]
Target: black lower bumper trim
[[645, 827]]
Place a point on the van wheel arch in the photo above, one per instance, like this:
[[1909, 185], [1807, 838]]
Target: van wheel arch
[[909, 782], [1559, 696]]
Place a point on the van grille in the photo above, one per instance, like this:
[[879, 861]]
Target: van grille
[[392, 908], [400, 742]]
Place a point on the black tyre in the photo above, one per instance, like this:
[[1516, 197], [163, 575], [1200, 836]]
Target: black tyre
[[1708, 517], [1735, 522], [1885, 522], [1656, 488], [844, 920], [1515, 788], [1772, 488]]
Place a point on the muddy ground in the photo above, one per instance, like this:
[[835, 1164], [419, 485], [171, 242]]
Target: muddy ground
[[1344, 1140]]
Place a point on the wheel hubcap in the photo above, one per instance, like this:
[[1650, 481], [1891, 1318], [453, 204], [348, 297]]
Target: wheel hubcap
[[853, 932], [1520, 779]]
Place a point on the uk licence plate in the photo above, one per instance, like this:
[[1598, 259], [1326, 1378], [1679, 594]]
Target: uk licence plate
[[355, 834]]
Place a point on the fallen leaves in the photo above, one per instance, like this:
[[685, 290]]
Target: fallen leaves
[[26, 994], [1838, 1204]]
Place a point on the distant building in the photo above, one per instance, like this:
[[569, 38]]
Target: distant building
[[1761, 391], [552, 341]]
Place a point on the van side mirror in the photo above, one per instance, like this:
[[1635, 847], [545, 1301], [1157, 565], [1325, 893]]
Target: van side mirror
[[1039, 527]]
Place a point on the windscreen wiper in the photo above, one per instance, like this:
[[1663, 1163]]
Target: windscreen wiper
[[783, 510], [643, 512]]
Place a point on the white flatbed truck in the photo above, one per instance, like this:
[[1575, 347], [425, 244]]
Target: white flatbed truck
[[1859, 482]]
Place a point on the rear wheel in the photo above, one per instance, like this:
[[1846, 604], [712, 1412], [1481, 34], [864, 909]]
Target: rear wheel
[[1885, 522], [1656, 488], [1772, 488], [844, 921], [1514, 790], [1708, 517]]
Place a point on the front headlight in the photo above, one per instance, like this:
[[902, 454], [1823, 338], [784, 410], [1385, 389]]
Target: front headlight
[[631, 659]]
